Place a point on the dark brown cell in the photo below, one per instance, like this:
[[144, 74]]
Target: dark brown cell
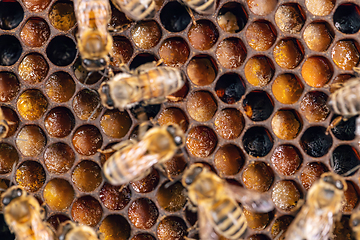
[[338, 81], [59, 158], [171, 228], [201, 106], [59, 122], [201, 141], [285, 195], [12, 120], [173, 116], [230, 88], [345, 54], [31, 104], [228, 160], [118, 19], [146, 34], [287, 88], [320, 7], [280, 226], [342, 229], [288, 53], [286, 159], [60, 87], [11, 13], [58, 194], [175, 165], [8, 156], [256, 221], [113, 198], [33, 68], [171, 196], [61, 50], [86, 176], [86, 104], [312, 172], [57, 219], [35, 32], [229, 123], [148, 183], [317, 36], [258, 176], [121, 51], [262, 7], [203, 35], [286, 124], [259, 71], [31, 140], [316, 71], [10, 50], [316, 142], [351, 198], [289, 18], [87, 210], [143, 236], [257, 141], [87, 140], [115, 123], [231, 53], [9, 86], [62, 16], [36, 5], [143, 213], [30, 175], [201, 71], [313, 106], [115, 227], [260, 35], [174, 52], [258, 105]]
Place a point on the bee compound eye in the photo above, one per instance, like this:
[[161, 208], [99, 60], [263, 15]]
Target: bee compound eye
[[178, 141], [355, 222], [18, 192], [328, 179], [6, 200], [339, 185], [2, 129]]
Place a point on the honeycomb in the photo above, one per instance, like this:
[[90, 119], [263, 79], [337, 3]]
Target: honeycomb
[[258, 72]]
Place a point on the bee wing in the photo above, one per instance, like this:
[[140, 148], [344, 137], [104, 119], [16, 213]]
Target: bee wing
[[252, 200], [206, 229]]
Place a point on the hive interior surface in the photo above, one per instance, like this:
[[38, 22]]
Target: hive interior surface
[[263, 97]]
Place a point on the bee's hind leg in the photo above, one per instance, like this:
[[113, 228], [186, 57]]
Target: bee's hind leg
[[334, 123]]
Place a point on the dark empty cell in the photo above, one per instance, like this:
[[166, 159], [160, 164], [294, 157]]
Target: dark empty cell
[[61, 51], [175, 17], [11, 15], [230, 88], [83, 75], [257, 142], [142, 59], [258, 106], [232, 17], [347, 18], [4, 230], [316, 142], [345, 130], [150, 110], [344, 159], [10, 50]]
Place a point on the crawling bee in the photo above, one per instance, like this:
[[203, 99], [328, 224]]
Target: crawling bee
[[133, 160], [205, 7], [147, 83], [24, 215], [216, 203], [4, 125], [137, 10], [93, 39], [317, 218], [73, 231]]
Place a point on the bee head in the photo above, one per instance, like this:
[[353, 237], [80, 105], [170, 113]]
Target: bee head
[[106, 99], [65, 228], [192, 173], [177, 134], [97, 64], [2, 129], [10, 196]]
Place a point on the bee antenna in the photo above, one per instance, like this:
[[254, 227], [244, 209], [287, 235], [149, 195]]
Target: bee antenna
[[351, 171], [93, 112], [12, 175]]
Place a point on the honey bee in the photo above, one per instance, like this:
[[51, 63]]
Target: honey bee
[[147, 83], [317, 218], [72, 231], [216, 202], [24, 215], [93, 39], [137, 10], [133, 159], [205, 7], [4, 125]]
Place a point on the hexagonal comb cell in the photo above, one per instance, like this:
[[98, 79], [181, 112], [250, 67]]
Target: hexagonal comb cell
[[203, 35], [11, 15], [347, 18], [61, 51], [58, 194], [201, 70], [174, 17], [35, 32], [257, 141], [62, 15], [258, 105], [231, 53], [232, 17], [10, 50], [230, 88]]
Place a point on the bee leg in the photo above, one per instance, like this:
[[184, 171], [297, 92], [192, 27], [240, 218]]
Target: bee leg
[[119, 29], [161, 167], [191, 14], [333, 124], [357, 71], [122, 187], [145, 67]]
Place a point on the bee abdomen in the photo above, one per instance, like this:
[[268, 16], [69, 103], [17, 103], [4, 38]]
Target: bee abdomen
[[113, 172], [140, 10], [346, 100], [202, 6]]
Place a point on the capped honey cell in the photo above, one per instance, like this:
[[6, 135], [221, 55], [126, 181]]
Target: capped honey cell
[[171, 228], [59, 122], [31, 104], [230, 88], [229, 123], [174, 52], [351, 198], [317, 36], [171, 196], [256, 221], [344, 130], [286, 124], [115, 123], [320, 7], [260, 35], [33, 68], [146, 34], [259, 71], [61, 51], [115, 227], [113, 198], [314, 106], [289, 18], [121, 51], [312, 172], [35, 32], [201, 70], [8, 156], [201, 106], [257, 141], [288, 53], [258, 176], [316, 71], [201, 141], [345, 54], [315, 141], [30, 175], [11, 15], [87, 140], [86, 176], [228, 160], [58, 194], [147, 184], [347, 18], [262, 7], [175, 17], [12, 119], [285, 195], [232, 17], [36, 5], [231, 53], [86, 104], [344, 160], [31, 140], [62, 15], [173, 115], [59, 158], [286, 159], [10, 50], [9, 86], [258, 105], [86, 210], [203, 35], [143, 213], [287, 88], [60, 87]]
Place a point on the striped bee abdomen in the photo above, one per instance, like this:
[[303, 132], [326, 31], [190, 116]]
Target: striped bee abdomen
[[137, 9], [202, 6], [346, 100]]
